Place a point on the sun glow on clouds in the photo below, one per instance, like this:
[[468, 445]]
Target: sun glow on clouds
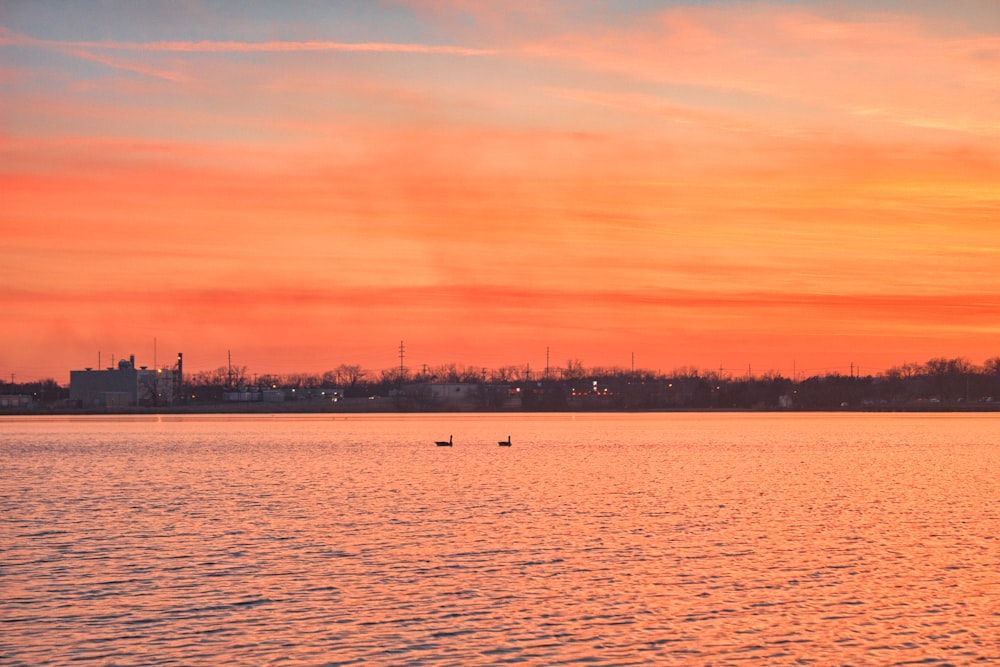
[[700, 185]]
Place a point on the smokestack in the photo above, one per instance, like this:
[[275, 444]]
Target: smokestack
[[179, 380]]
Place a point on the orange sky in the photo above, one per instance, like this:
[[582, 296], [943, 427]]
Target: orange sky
[[705, 184]]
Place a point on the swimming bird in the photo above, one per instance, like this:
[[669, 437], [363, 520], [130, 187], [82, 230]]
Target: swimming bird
[[442, 443], [505, 443]]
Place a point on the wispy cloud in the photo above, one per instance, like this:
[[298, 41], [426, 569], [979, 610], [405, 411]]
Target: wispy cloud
[[213, 46], [96, 51], [117, 63], [901, 68]]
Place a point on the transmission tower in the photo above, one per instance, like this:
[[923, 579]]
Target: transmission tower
[[402, 370]]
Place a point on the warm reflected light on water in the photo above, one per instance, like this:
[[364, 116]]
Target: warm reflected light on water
[[611, 539]]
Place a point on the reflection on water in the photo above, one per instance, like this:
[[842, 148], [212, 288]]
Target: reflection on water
[[597, 539]]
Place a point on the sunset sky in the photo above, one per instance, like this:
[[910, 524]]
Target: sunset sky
[[707, 184]]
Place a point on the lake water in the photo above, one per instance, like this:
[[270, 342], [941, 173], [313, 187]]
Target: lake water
[[676, 539]]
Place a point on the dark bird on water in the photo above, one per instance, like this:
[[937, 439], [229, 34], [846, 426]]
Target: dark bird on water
[[505, 443], [442, 443]]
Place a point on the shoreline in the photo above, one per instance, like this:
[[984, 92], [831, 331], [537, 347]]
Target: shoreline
[[277, 409]]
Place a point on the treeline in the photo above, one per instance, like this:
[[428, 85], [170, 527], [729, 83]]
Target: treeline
[[45, 392], [939, 383]]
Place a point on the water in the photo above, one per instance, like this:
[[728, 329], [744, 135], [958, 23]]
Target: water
[[681, 539]]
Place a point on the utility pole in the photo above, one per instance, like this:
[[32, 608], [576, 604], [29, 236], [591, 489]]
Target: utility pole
[[546, 362], [402, 370]]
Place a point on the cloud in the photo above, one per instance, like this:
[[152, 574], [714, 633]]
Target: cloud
[[223, 46], [633, 305], [117, 63], [91, 50], [287, 47], [900, 68]]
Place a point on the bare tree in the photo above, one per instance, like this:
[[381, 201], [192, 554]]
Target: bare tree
[[574, 370], [349, 374], [389, 375]]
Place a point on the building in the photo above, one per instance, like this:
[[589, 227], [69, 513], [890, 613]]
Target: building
[[14, 400], [457, 396], [454, 391], [124, 386]]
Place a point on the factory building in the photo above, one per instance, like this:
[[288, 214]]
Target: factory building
[[125, 385]]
